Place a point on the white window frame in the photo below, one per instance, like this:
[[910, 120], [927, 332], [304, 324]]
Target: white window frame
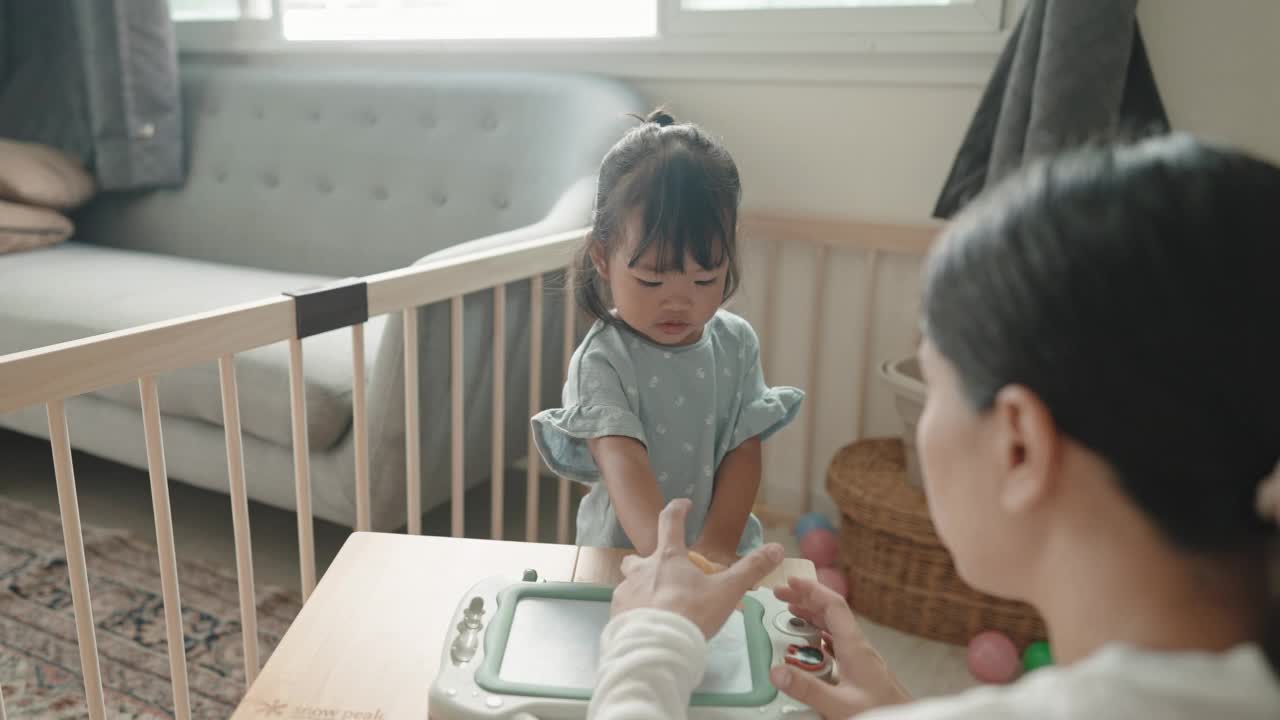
[[248, 9], [244, 34], [965, 16], [901, 46]]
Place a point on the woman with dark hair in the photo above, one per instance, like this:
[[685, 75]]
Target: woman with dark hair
[[1101, 439]]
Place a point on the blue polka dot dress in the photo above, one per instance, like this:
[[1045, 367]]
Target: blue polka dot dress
[[689, 405]]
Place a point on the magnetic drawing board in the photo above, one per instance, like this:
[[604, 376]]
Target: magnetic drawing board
[[545, 641]]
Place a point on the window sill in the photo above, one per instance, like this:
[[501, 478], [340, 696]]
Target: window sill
[[873, 58]]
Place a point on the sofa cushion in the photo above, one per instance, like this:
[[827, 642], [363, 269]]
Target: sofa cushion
[[25, 227], [75, 290], [41, 175], [363, 168]]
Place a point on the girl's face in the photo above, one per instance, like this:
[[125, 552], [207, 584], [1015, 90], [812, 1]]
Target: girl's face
[[669, 308]]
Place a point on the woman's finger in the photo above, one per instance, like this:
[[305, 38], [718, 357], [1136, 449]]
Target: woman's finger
[[822, 602], [835, 617], [797, 605], [831, 701], [803, 600], [786, 593], [746, 574], [629, 564], [799, 591], [807, 616], [800, 610], [671, 527]]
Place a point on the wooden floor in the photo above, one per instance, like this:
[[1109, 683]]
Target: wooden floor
[[116, 496]]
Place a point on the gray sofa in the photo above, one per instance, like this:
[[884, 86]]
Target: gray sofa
[[298, 175]]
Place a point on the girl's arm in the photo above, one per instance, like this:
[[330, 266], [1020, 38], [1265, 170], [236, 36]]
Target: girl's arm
[[737, 481], [624, 466]]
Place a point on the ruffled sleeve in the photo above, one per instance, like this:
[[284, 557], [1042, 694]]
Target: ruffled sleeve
[[595, 406], [762, 410]]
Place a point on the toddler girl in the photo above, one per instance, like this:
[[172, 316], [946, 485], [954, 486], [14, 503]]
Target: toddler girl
[[665, 396]]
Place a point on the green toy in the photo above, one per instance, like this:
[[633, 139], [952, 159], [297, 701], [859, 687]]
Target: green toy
[[1036, 656]]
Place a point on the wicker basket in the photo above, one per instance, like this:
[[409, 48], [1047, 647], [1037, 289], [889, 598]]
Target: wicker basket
[[899, 574]]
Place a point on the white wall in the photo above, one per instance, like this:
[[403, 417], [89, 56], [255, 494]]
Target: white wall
[[859, 150], [882, 152], [1218, 67], [835, 150]]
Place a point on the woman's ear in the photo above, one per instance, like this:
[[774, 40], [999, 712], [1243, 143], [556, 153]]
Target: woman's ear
[[598, 260], [1029, 447]]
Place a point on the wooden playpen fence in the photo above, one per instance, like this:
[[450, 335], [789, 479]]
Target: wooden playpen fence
[[50, 375]]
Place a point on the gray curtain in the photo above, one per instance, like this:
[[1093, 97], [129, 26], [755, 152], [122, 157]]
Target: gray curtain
[[1073, 70], [98, 79]]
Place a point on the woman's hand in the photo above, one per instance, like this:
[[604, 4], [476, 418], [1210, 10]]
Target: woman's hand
[[668, 580], [863, 679]]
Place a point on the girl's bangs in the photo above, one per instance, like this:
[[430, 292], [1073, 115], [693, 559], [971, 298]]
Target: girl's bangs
[[682, 216]]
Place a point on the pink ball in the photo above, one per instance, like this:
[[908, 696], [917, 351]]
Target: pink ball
[[821, 547], [834, 579], [993, 658]]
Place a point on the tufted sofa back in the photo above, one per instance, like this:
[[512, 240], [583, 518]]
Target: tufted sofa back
[[350, 171]]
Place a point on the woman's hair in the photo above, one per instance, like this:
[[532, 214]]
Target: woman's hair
[[677, 187], [1136, 290]]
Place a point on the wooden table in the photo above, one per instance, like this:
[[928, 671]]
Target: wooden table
[[367, 644]]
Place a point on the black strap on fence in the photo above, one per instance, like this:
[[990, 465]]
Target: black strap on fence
[[329, 307]]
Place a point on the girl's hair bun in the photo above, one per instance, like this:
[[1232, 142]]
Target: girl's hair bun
[[660, 117]]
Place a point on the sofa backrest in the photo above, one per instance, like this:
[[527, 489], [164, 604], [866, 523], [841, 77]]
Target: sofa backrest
[[349, 171]]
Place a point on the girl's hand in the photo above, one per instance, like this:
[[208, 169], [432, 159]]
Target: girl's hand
[[721, 558], [668, 580], [863, 679]]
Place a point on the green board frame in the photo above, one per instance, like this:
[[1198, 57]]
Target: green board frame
[[759, 648]]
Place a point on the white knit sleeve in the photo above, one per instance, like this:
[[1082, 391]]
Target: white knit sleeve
[[650, 662]]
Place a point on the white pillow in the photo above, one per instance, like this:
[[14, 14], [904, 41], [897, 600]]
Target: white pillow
[[41, 175], [25, 227]]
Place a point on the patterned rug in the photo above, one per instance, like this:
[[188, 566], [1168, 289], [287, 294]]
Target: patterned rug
[[39, 658]]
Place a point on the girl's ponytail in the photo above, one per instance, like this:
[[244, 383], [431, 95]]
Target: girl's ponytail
[[586, 283]]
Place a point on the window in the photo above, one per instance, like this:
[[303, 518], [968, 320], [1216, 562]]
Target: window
[[219, 10], [467, 19], [833, 16], [707, 27], [801, 4]]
